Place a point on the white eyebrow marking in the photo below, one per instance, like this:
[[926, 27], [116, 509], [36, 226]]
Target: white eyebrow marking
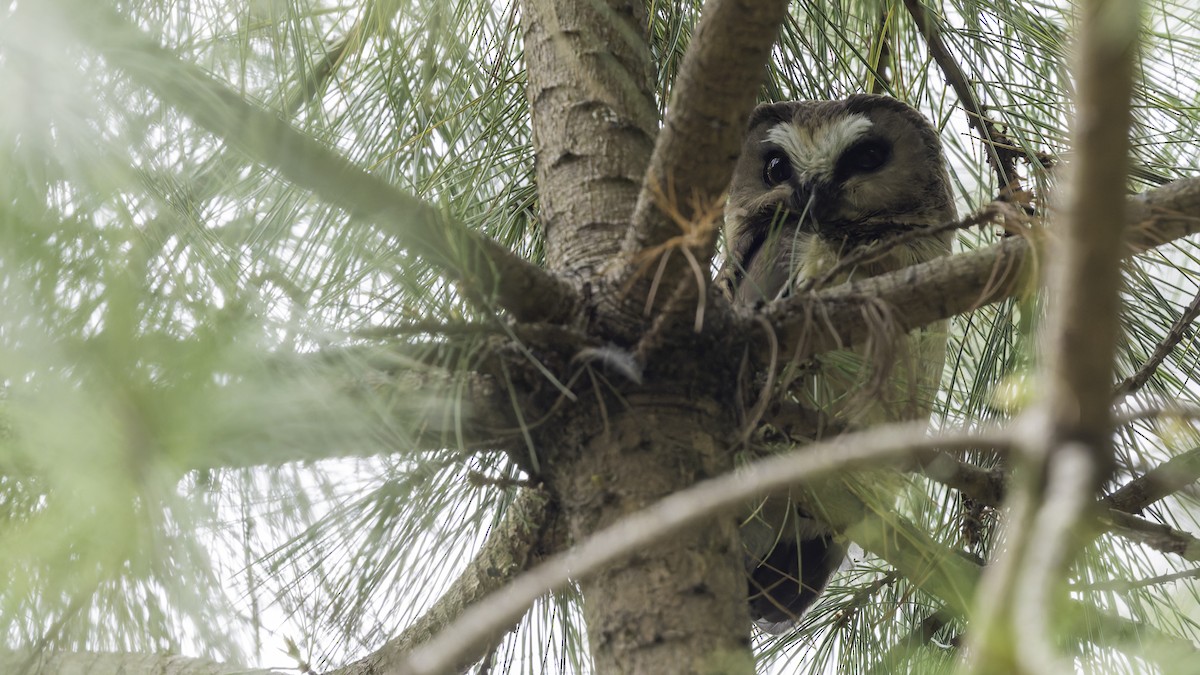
[[814, 151]]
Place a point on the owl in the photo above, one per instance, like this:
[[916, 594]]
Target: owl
[[816, 182]]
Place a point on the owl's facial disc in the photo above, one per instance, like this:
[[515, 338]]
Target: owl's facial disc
[[817, 180], [813, 171], [814, 151]]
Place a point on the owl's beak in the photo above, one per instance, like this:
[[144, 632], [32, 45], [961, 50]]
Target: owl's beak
[[806, 201]]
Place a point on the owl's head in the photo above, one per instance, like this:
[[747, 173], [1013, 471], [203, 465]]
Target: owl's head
[[821, 178]]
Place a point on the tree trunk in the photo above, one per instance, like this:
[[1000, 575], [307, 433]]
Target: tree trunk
[[679, 606]]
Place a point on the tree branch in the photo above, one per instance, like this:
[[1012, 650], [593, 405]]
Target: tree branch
[[721, 74], [207, 184], [1051, 545], [990, 486], [1157, 536], [999, 148], [1178, 330], [810, 323], [1088, 623], [521, 540], [466, 411], [1067, 434], [1083, 322], [486, 269], [986, 486], [1162, 481], [944, 576], [1139, 639], [1013, 220], [680, 510], [694, 156], [935, 569]]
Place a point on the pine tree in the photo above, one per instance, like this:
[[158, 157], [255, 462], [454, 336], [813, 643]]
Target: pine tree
[[324, 323]]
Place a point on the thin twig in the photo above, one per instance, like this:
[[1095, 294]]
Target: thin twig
[[1173, 337], [1013, 219], [765, 393], [1124, 586], [862, 596], [54, 632], [917, 637], [1156, 411], [1001, 152]]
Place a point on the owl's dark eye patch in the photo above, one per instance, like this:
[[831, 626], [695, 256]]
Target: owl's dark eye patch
[[776, 168], [863, 157]]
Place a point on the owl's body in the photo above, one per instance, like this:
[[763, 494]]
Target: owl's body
[[818, 181]]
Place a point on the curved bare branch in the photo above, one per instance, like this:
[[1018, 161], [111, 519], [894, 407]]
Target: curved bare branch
[[680, 510]]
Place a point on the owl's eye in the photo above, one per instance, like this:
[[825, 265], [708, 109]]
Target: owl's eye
[[777, 168], [864, 157]]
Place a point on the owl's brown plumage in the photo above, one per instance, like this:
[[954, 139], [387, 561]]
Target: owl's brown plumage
[[816, 181]]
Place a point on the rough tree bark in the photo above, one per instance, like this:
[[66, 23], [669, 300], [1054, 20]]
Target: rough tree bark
[[591, 100], [680, 605]]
